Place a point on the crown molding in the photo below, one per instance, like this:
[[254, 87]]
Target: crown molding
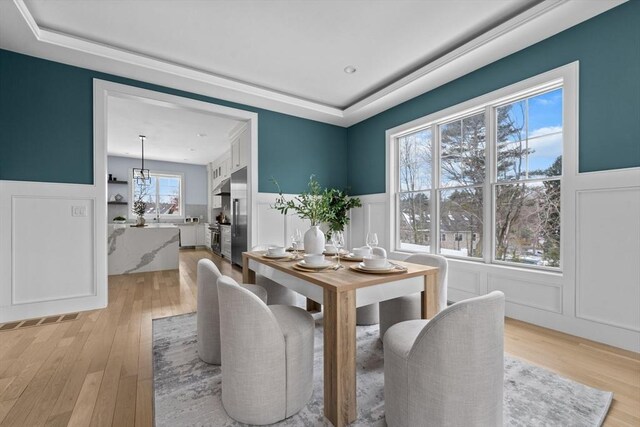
[[529, 27]]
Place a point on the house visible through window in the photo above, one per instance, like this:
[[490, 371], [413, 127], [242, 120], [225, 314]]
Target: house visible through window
[[493, 191], [162, 194]]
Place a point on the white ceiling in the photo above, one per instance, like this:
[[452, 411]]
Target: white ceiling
[[289, 55], [171, 133], [295, 47]]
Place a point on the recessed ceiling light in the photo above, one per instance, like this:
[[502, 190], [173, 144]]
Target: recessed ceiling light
[[201, 135], [349, 69]]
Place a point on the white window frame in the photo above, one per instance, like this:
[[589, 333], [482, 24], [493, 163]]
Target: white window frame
[[565, 77], [161, 174]]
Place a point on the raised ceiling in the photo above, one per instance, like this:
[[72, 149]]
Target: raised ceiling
[[289, 55], [295, 47], [172, 134]]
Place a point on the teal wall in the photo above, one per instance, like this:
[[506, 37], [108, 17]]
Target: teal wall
[[46, 113], [608, 48], [46, 129]]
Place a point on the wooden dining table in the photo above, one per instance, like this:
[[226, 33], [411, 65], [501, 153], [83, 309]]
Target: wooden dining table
[[340, 292]]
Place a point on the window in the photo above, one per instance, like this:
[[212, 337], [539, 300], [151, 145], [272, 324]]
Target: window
[[528, 174], [485, 181], [162, 194]]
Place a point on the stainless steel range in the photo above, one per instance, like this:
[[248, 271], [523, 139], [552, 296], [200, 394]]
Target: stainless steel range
[[216, 246]]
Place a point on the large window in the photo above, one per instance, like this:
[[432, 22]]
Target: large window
[[485, 184], [162, 194]]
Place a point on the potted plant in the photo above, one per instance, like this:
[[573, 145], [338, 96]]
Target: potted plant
[[312, 205], [139, 208], [119, 220]]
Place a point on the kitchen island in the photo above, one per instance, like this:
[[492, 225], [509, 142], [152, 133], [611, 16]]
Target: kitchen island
[[153, 247]]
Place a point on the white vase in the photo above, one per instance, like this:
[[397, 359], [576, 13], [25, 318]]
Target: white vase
[[314, 240]]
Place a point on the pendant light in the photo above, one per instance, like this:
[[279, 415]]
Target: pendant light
[[141, 175]]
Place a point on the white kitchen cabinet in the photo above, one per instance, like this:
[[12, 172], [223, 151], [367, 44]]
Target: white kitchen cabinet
[[200, 235], [207, 236], [187, 235], [240, 150], [226, 165], [225, 238]]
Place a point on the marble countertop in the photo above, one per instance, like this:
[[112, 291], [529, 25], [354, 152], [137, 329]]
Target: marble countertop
[[146, 227]]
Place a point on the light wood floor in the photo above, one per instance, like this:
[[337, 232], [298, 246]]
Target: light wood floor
[[97, 370]]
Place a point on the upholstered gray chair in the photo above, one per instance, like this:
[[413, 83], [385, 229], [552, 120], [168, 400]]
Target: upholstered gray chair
[[277, 293], [208, 315], [409, 307], [368, 314], [447, 371], [267, 356]]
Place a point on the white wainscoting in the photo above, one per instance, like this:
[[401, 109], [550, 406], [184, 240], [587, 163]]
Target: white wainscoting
[[52, 249], [597, 296], [608, 256]]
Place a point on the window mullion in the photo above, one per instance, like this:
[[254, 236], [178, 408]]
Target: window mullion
[[488, 200], [434, 228]]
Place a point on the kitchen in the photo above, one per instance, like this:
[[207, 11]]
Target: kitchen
[[193, 185]]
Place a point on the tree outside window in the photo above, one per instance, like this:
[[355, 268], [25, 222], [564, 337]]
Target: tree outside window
[[162, 194], [525, 183]]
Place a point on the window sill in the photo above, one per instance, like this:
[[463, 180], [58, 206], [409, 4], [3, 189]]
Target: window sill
[[480, 264]]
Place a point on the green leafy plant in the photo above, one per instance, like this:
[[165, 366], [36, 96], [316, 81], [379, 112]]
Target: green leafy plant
[[119, 218], [139, 207], [330, 206], [339, 206], [312, 204]]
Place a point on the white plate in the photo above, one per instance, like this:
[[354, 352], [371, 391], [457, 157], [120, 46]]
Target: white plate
[[388, 267], [286, 255], [325, 264]]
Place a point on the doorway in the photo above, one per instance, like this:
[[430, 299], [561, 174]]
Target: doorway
[[106, 92]]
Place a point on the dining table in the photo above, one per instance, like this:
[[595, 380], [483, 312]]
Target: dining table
[[339, 292]]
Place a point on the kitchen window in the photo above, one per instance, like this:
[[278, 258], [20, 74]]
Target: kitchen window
[[163, 194], [484, 183]]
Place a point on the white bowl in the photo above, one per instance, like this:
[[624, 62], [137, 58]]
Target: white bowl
[[330, 249], [374, 261], [361, 252], [314, 259], [276, 251]]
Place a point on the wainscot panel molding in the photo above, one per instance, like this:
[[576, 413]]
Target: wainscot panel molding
[[275, 228], [597, 296], [608, 254], [371, 217], [52, 249]]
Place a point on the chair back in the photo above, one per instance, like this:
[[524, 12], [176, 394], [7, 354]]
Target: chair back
[[253, 346], [461, 357], [443, 272], [245, 321]]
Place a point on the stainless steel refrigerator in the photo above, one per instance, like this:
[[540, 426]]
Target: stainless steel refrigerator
[[239, 213]]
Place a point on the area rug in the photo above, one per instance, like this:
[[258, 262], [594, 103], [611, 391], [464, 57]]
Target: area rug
[[187, 390]]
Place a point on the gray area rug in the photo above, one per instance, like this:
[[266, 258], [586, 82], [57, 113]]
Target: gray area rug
[[187, 390]]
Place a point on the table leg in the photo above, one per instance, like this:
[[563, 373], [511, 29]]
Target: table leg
[[340, 357], [248, 276], [313, 306], [431, 296]]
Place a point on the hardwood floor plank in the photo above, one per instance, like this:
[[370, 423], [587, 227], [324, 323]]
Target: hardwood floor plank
[[5, 407], [83, 410], [99, 367], [125, 410]]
